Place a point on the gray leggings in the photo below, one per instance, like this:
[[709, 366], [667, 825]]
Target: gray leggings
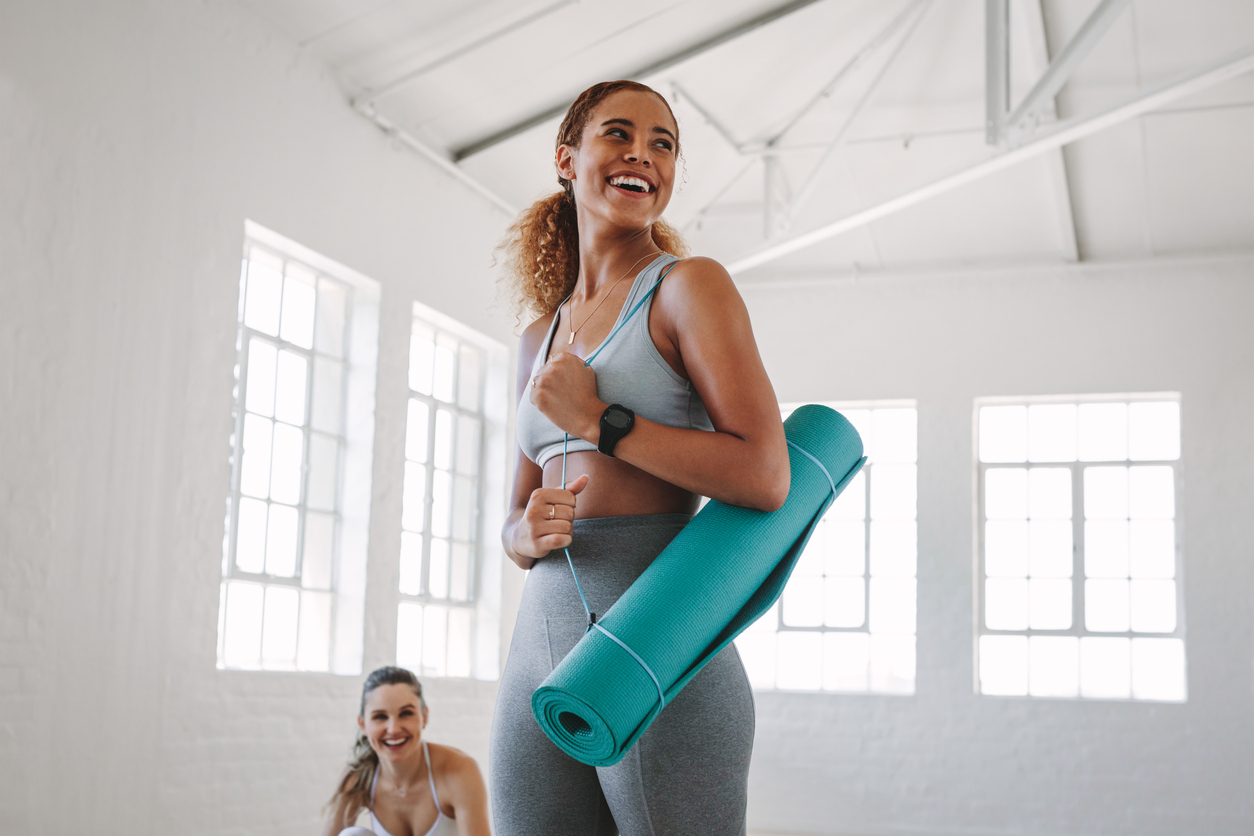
[[688, 774]]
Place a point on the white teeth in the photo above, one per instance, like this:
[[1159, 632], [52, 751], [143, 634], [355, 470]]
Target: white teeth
[[630, 181]]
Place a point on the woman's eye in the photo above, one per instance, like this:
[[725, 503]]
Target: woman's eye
[[619, 132], [662, 143]]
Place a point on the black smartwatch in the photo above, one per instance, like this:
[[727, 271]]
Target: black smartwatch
[[616, 421]]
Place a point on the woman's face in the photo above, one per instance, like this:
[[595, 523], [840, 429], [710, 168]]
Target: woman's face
[[624, 168], [393, 721]]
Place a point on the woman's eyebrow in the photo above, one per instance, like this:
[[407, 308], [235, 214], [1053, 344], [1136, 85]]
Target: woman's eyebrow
[[630, 124]]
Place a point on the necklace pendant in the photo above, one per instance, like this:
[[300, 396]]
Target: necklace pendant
[[571, 341]]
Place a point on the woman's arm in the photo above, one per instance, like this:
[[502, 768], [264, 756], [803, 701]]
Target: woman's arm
[[699, 315], [465, 793], [528, 534]]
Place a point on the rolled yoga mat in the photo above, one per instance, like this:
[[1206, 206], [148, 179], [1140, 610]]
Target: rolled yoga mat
[[724, 570]]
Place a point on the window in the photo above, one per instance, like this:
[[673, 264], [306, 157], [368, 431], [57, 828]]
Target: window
[[454, 466], [1078, 559], [846, 620], [303, 428]]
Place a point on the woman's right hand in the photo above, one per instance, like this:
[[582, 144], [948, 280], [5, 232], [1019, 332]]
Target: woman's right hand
[[541, 530]]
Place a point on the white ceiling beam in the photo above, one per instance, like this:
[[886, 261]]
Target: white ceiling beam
[[1058, 135], [443, 162], [812, 181], [652, 68], [1038, 55], [679, 93], [1063, 65], [371, 96], [996, 67]]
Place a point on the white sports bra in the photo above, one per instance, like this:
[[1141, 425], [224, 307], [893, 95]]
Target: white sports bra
[[443, 826]]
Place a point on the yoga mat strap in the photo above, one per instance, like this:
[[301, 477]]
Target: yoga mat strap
[[811, 457], [661, 695]]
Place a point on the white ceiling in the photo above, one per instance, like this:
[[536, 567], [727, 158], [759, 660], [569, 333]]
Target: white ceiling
[[1177, 180]]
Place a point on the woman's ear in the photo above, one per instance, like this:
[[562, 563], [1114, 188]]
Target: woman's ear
[[361, 723], [566, 162]]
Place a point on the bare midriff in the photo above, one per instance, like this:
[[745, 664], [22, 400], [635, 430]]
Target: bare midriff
[[617, 489]]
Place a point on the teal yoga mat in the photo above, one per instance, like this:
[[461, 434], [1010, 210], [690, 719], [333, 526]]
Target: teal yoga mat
[[723, 571]]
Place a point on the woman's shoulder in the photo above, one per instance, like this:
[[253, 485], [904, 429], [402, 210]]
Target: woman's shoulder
[[450, 760], [699, 274]]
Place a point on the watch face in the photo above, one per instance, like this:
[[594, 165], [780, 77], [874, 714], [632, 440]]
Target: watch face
[[617, 419]]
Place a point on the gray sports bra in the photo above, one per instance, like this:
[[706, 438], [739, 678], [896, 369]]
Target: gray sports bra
[[630, 371]]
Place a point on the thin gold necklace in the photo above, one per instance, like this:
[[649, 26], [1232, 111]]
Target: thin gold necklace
[[570, 305]]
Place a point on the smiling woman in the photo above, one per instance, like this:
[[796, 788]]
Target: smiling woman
[[671, 404], [409, 786]]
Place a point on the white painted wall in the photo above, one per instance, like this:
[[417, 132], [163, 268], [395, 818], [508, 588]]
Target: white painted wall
[[946, 760], [135, 138]]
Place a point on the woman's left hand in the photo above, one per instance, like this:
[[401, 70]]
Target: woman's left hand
[[565, 392]]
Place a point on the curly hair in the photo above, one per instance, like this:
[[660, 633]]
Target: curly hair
[[353, 794], [541, 249]]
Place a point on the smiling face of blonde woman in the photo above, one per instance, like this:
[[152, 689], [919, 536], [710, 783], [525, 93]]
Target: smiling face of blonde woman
[[393, 720]]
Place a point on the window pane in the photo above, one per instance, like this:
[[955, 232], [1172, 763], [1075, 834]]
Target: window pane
[[846, 661], [1106, 606], [467, 445], [332, 315], [1106, 493], [441, 503], [1054, 666], [1105, 668], [1151, 493], [1006, 549], [893, 488], [314, 648], [893, 548], [278, 633], [1153, 548], [845, 547], [250, 538], [851, 504], [414, 497], [1103, 432], [459, 573], [437, 575], [435, 641], [281, 541], [892, 605], [892, 664], [262, 360], [1106, 549], [1006, 493], [463, 507], [315, 565], [409, 636], [285, 472], [328, 389], [323, 478], [458, 642], [844, 602], [411, 563], [1049, 604], [1052, 433], [1003, 433], [254, 477], [757, 653], [1153, 606], [265, 288], [444, 439], [1006, 604], [1154, 431], [1158, 669], [445, 367], [298, 306], [800, 661], [468, 378], [416, 431], [1004, 665], [895, 434], [1049, 493], [289, 404], [1049, 548], [242, 646], [421, 360], [803, 603]]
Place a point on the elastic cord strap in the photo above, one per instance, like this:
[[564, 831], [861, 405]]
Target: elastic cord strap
[[661, 695], [806, 453]]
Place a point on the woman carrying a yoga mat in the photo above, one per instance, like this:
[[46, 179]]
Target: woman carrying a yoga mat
[[409, 786], [674, 405]]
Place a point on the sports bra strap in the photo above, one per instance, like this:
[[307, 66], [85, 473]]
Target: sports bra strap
[[632, 312]]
